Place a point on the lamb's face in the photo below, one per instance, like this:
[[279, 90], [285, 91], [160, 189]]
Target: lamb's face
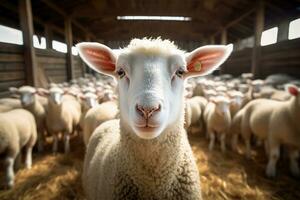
[[27, 98], [222, 105], [236, 98], [151, 75], [151, 91], [56, 95], [27, 94], [90, 100]]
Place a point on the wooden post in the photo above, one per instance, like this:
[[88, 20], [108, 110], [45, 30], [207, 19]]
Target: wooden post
[[28, 31], [49, 37], [223, 42], [224, 37], [283, 31], [69, 42], [87, 70], [212, 40], [259, 28]]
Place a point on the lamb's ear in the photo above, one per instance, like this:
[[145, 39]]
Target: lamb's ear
[[98, 57], [206, 59], [292, 89]]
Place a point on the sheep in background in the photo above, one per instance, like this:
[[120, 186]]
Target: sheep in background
[[276, 123], [236, 101], [146, 152], [17, 131], [193, 114], [278, 79], [11, 103], [63, 115], [96, 116], [88, 100], [210, 93], [199, 88], [280, 95], [217, 118], [37, 106]]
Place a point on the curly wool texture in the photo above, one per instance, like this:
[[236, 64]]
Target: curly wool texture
[[119, 165]]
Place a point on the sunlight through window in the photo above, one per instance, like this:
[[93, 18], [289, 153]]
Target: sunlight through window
[[269, 36], [294, 29], [37, 44], [59, 46], [10, 35]]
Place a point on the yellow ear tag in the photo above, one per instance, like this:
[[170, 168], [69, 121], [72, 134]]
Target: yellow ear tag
[[197, 66]]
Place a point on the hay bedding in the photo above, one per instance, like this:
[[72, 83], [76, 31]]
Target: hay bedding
[[223, 176]]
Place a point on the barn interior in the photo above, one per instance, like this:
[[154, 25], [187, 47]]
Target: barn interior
[[112, 22]]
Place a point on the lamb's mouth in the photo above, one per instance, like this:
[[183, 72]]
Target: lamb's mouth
[[147, 127]]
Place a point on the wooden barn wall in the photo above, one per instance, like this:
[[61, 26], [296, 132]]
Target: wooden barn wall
[[239, 62], [11, 67], [78, 67], [282, 57], [54, 65]]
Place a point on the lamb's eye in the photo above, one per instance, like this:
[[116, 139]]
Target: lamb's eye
[[121, 73], [180, 72]]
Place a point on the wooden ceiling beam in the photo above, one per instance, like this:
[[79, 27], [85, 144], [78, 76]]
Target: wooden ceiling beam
[[62, 13], [37, 20], [235, 21]]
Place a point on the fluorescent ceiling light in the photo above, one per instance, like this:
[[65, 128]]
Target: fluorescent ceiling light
[[163, 18]]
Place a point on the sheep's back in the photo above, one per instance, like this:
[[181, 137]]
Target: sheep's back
[[100, 161]]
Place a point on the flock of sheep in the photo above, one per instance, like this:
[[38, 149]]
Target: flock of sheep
[[135, 131], [266, 111], [64, 110]]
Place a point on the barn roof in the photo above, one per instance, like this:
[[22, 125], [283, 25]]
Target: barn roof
[[97, 19]]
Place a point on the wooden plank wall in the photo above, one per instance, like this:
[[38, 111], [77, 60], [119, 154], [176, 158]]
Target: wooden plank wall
[[53, 63], [78, 67], [282, 57], [12, 67], [239, 62]]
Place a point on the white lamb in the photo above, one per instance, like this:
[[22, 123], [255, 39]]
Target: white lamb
[[98, 115], [88, 101], [236, 101], [193, 114], [146, 154], [12, 103], [218, 120], [32, 102], [17, 131], [63, 116], [277, 122]]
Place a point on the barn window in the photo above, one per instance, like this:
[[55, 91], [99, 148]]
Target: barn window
[[37, 44], [269, 36], [294, 29], [59, 46], [74, 51], [10, 35]]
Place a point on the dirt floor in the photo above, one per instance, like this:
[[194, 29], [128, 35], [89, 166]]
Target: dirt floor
[[223, 176]]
